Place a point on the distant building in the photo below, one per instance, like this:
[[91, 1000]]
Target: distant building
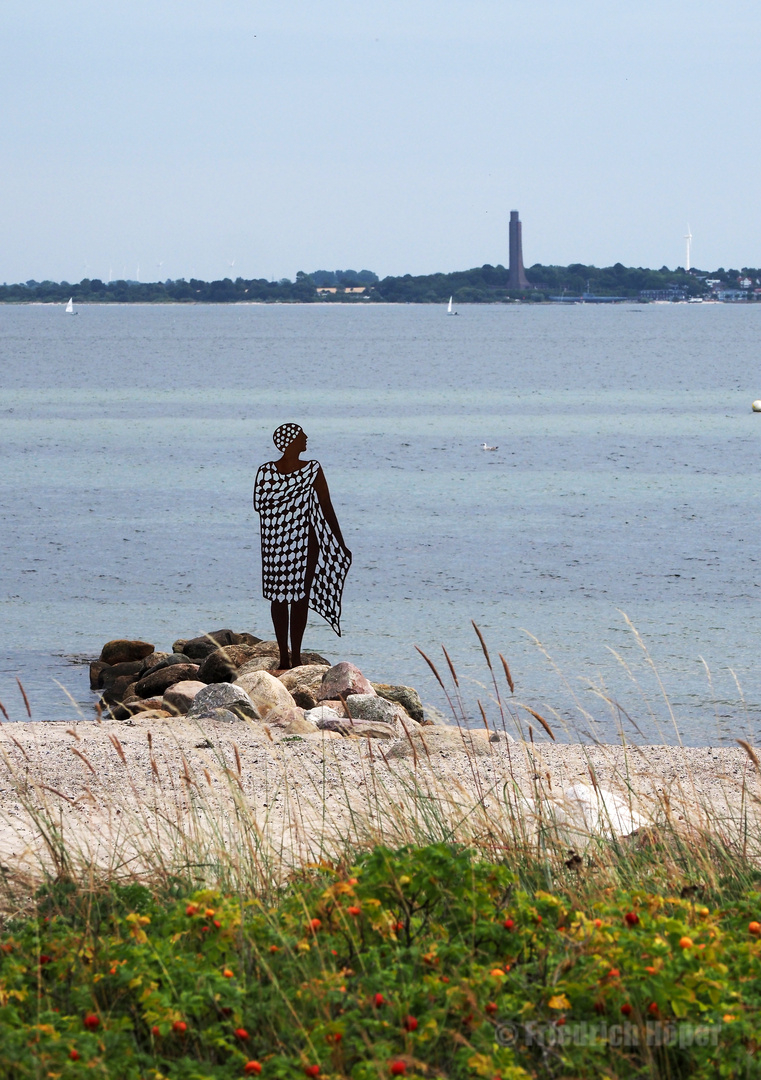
[[671, 292], [517, 277]]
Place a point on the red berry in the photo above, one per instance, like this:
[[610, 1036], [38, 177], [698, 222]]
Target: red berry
[[410, 1023], [334, 1037], [252, 1068], [92, 1022], [653, 1008], [74, 1055], [508, 924], [445, 978], [191, 909], [599, 1006], [560, 1022], [155, 1031], [180, 1027], [218, 924], [312, 1070], [398, 1068], [614, 973], [241, 1033], [539, 918], [45, 959], [632, 918], [379, 1000], [491, 1006], [354, 910], [626, 1009], [314, 924]]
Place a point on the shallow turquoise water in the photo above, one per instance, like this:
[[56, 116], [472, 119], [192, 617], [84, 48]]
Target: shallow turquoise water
[[625, 481]]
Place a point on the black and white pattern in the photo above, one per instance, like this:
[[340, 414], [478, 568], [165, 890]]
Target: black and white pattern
[[288, 507]]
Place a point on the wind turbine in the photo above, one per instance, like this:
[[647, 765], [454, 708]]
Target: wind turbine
[[688, 239]]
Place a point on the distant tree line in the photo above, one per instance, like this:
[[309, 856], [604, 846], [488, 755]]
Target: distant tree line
[[481, 285]]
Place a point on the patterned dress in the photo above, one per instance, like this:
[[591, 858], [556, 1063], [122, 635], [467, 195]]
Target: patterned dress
[[288, 509]]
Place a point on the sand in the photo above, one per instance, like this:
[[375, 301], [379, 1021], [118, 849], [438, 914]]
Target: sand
[[130, 796]]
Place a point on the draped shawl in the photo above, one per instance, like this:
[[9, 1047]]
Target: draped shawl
[[289, 509]]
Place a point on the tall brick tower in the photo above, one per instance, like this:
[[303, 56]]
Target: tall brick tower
[[517, 278]]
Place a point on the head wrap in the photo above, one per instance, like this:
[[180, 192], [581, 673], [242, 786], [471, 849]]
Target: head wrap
[[285, 434]]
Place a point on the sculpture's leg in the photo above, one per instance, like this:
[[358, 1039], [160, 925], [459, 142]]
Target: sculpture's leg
[[300, 608], [279, 610]]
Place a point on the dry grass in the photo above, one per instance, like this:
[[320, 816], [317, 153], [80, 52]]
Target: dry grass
[[237, 807]]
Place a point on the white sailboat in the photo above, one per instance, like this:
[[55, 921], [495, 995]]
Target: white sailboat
[[70, 307], [449, 307]]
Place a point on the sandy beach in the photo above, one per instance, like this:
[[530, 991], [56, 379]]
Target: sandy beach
[[133, 793]]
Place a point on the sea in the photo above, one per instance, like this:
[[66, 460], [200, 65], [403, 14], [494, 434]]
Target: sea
[[608, 548]]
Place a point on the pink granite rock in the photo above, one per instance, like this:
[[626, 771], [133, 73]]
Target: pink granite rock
[[342, 680], [180, 697]]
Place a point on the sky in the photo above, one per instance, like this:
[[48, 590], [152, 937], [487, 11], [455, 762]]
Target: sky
[[158, 139]]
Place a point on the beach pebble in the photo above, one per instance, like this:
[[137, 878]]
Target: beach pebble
[[181, 695], [265, 691], [221, 696], [122, 651], [342, 680], [405, 696], [159, 681]]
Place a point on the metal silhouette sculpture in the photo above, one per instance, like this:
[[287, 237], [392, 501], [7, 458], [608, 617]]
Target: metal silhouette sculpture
[[304, 558]]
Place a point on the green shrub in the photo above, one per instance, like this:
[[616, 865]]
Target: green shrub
[[420, 962]]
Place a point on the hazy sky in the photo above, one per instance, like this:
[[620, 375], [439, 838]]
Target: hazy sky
[[182, 136]]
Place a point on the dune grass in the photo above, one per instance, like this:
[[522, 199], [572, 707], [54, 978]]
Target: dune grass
[[430, 923]]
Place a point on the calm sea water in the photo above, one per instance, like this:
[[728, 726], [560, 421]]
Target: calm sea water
[[626, 481]]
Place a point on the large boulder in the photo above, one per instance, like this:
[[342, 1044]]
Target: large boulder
[[181, 695], [111, 672], [222, 696], [222, 665], [377, 710], [342, 680], [199, 647], [119, 690], [267, 662], [361, 728], [122, 651], [309, 676], [159, 681], [265, 691], [96, 667], [283, 716], [154, 660], [424, 741], [321, 713], [405, 696]]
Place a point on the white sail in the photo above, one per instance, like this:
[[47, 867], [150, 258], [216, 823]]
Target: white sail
[[70, 306], [449, 306]]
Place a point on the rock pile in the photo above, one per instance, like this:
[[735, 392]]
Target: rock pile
[[232, 677]]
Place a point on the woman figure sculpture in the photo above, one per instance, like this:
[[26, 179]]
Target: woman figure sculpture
[[304, 557]]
